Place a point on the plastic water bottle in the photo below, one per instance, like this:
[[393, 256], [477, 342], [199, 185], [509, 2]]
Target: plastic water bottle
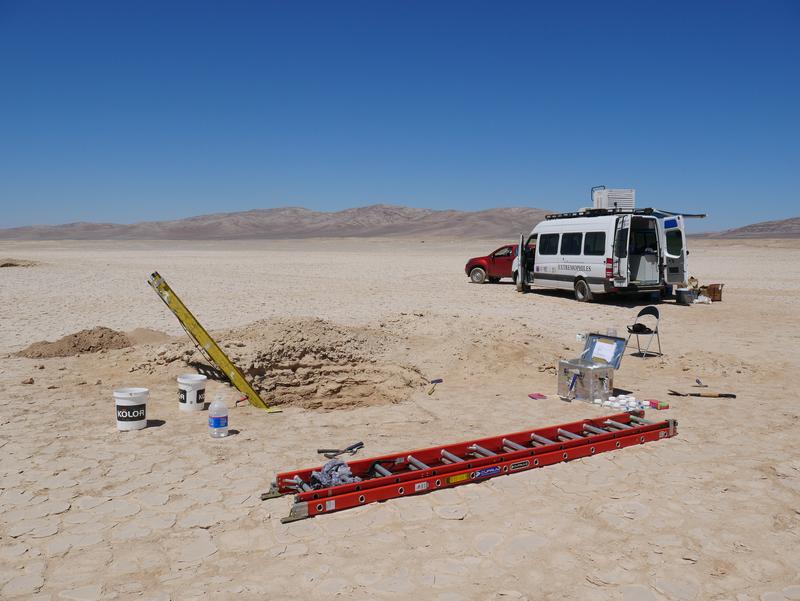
[[218, 417]]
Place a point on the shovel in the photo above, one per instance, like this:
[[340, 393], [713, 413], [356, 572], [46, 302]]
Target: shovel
[[713, 395]]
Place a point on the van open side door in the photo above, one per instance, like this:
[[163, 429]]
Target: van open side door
[[522, 268], [673, 243], [621, 241]]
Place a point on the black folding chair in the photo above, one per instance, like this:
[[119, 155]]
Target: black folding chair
[[640, 328]]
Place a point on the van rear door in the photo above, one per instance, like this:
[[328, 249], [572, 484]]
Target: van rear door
[[673, 243], [621, 241]]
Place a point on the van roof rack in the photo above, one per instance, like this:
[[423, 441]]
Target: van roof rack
[[599, 212]]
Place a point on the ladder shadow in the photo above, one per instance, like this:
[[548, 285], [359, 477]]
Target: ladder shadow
[[209, 371]]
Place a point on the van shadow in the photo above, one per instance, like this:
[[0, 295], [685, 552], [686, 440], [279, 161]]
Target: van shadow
[[618, 300]]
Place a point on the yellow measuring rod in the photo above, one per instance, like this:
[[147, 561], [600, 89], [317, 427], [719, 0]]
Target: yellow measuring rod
[[205, 342]]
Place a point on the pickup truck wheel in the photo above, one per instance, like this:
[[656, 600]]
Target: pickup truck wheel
[[582, 292], [477, 275]]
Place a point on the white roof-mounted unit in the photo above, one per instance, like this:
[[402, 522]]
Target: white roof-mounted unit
[[613, 198]]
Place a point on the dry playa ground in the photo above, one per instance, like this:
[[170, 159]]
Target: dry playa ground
[[344, 334]]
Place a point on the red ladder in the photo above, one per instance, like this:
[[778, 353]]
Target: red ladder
[[425, 470]]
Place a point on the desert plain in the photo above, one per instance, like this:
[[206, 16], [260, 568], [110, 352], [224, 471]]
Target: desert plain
[[343, 335]]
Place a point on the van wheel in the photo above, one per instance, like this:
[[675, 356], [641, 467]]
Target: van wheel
[[582, 292], [477, 275]]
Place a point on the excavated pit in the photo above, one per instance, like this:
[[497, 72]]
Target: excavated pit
[[319, 365], [316, 364]]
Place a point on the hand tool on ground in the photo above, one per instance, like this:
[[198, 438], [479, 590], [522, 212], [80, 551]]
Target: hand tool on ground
[[204, 342], [434, 382], [699, 383], [332, 453], [537, 396], [713, 395], [426, 470]]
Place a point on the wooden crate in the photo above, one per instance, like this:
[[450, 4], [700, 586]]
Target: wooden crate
[[715, 292]]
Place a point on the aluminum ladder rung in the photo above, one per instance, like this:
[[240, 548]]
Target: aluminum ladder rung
[[617, 425], [451, 457], [512, 445], [416, 463], [594, 429], [569, 435], [640, 420], [542, 440], [381, 470], [298, 482], [477, 449]]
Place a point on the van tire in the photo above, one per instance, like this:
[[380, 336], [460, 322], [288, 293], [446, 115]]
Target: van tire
[[477, 275], [583, 293]]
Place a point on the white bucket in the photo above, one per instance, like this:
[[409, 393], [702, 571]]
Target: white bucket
[[192, 392], [131, 408]]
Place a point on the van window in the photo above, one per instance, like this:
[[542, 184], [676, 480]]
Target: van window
[[571, 244], [674, 243], [621, 244], [548, 244], [594, 243]]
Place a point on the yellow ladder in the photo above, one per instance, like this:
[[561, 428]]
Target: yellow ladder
[[205, 342]]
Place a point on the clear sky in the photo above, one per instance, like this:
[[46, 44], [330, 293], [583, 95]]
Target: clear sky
[[130, 111]]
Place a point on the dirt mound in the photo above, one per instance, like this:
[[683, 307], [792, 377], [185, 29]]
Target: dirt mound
[[85, 341], [8, 262], [147, 336]]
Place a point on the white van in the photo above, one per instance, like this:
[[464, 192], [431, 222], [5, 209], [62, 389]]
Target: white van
[[599, 251]]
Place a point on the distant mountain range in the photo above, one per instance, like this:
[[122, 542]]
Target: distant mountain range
[[296, 222], [784, 228], [370, 221]]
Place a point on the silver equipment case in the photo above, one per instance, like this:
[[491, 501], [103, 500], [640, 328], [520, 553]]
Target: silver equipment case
[[583, 380]]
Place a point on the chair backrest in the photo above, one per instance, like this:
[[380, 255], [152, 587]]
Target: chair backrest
[[649, 310]]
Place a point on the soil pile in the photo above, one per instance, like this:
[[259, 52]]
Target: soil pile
[[86, 341], [17, 263]]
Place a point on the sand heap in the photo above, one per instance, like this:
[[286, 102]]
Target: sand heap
[[8, 262], [86, 341], [317, 364]]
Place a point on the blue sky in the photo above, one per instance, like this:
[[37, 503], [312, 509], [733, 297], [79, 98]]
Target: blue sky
[[130, 111]]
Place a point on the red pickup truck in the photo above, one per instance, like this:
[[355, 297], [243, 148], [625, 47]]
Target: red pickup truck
[[493, 266]]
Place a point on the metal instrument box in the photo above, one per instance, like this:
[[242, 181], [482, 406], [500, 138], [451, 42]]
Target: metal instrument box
[[582, 380]]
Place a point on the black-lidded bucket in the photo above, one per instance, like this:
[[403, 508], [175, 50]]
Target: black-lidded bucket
[[684, 296]]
